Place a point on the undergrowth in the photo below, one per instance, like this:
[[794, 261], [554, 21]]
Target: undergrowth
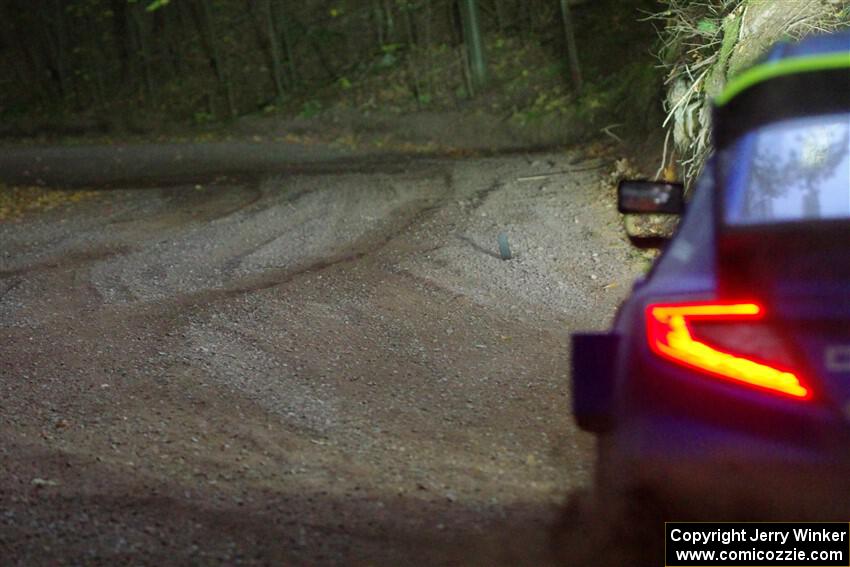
[[706, 42]]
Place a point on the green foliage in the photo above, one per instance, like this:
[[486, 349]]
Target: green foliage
[[391, 53], [156, 5], [707, 26], [388, 60], [310, 109], [201, 117]]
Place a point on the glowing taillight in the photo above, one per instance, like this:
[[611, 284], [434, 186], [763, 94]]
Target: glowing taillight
[[669, 329]]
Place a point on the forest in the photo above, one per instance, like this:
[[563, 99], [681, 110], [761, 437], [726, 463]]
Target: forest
[[551, 71], [198, 61]]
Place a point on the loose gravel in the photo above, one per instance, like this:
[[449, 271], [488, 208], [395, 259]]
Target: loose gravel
[[305, 368]]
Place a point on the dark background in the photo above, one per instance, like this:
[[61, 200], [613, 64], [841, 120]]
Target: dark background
[[119, 66]]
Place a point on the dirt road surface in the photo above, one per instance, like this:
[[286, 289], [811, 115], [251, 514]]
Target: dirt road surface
[[307, 366]]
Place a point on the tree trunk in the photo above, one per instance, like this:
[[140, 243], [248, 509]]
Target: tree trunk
[[282, 25], [378, 19], [268, 41], [412, 67], [119, 32], [144, 48], [410, 25], [274, 48], [206, 26], [388, 20], [474, 42], [30, 71], [62, 51], [500, 15], [572, 50], [53, 54]]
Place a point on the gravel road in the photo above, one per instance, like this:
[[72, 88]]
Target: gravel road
[[324, 365]]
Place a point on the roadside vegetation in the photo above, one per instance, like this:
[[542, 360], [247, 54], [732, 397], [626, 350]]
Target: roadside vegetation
[[706, 42], [15, 202]]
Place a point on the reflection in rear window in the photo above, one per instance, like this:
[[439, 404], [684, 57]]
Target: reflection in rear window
[[797, 170]]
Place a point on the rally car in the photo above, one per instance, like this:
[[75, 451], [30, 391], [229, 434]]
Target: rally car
[[727, 369]]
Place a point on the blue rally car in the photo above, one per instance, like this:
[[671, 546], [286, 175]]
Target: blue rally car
[[726, 375]]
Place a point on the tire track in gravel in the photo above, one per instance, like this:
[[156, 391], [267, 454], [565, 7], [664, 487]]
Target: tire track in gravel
[[69, 260], [364, 247], [178, 216], [297, 225]]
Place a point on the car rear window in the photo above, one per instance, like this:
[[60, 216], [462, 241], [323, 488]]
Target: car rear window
[[790, 171]]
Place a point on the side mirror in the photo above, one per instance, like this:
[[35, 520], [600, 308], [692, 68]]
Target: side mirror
[[656, 201], [650, 197]]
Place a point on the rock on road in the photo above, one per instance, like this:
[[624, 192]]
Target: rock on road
[[323, 365]]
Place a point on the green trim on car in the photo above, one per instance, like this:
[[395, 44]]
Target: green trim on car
[[783, 67]]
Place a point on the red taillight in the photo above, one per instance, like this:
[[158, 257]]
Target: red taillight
[[670, 333]]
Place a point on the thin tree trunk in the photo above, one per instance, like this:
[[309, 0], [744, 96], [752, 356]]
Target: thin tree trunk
[[527, 16], [274, 48], [285, 34], [268, 42], [120, 36], [320, 53], [467, 72], [474, 41], [455, 27], [28, 70], [378, 18], [500, 15], [426, 35], [175, 25], [144, 49], [388, 20], [165, 49], [572, 49], [208, 29], [61, 46], [53, 53], [99, 62], [426, 42], [410, 25], [411, 55], [184, 24]]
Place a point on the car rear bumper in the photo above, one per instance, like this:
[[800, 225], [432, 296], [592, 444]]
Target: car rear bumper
[[722, 475], [730, 490]]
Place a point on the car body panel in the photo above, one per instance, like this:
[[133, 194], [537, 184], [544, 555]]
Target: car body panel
[[656, 415]]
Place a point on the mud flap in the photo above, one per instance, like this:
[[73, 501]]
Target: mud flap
[[594, 359]]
